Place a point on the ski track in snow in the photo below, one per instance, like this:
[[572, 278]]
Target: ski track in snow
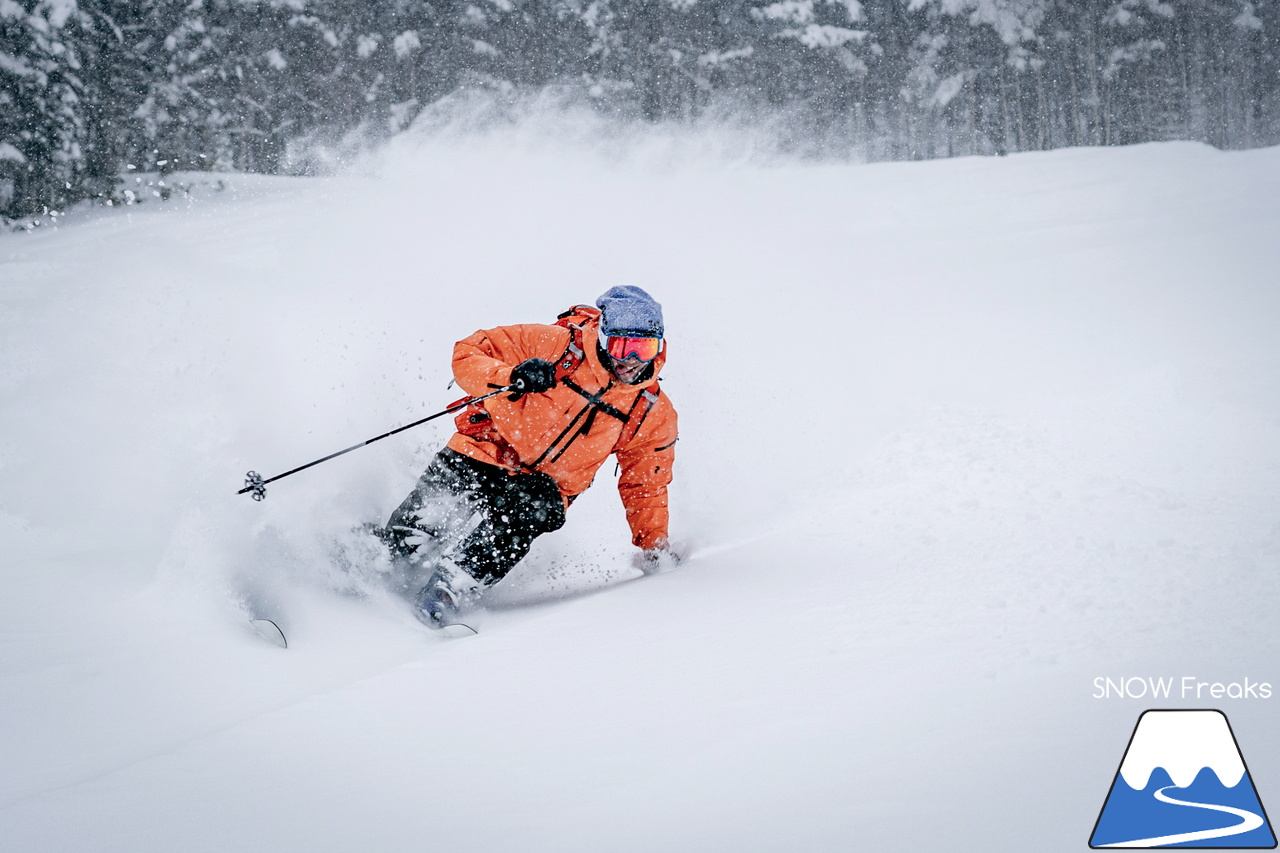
[[1015, 424]]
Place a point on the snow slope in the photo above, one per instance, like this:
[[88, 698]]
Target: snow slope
[[958, 437]]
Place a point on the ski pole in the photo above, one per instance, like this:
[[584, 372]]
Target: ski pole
[[253, 481]]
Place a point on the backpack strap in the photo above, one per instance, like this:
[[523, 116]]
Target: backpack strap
[[644, 402], [573, 320], [595, 405]]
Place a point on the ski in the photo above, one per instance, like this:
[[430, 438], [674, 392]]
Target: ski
[[269, 631]]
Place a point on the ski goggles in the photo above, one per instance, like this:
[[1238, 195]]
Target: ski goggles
[[623, 347]]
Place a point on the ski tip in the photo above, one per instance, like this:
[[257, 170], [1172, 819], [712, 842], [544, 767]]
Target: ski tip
[[457, 630], [269, 631]]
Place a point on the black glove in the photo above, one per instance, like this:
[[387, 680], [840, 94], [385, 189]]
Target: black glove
[[532, 376]]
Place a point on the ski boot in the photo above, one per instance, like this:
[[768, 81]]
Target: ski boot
[[449, 590]]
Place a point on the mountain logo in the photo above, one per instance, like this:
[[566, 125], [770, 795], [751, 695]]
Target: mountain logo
[[1183, 783]]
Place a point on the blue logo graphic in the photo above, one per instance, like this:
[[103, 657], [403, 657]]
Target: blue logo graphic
[[1183, 783]]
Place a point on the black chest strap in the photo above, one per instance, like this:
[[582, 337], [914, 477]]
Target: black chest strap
[[596, 400]]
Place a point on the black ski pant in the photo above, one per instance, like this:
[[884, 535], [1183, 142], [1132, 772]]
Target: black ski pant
[[495, 513]]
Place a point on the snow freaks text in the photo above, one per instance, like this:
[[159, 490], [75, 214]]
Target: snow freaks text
[[1185, 687]]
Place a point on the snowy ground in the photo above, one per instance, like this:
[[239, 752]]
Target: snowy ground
[[958, 437]]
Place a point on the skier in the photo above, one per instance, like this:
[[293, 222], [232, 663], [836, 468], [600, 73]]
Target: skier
[[582, 389]]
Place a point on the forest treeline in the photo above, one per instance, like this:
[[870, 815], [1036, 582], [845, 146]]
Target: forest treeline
[[90, 88]]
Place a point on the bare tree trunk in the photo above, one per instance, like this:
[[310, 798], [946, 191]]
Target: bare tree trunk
[[1043, 118], [1005, 125], [1091, 64]]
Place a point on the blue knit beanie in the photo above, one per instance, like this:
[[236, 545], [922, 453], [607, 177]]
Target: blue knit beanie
[[629, 310]]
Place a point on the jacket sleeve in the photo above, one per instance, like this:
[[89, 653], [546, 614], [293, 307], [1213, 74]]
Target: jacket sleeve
[[483, 361], [646, 463]]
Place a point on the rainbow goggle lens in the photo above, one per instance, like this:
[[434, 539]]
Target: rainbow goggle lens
[[623, 347]]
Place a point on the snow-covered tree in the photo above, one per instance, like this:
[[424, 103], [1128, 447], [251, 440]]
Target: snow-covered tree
[[92, 86], [42, 123]]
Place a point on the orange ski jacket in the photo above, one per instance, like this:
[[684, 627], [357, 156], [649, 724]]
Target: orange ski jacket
[[569, 431]]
